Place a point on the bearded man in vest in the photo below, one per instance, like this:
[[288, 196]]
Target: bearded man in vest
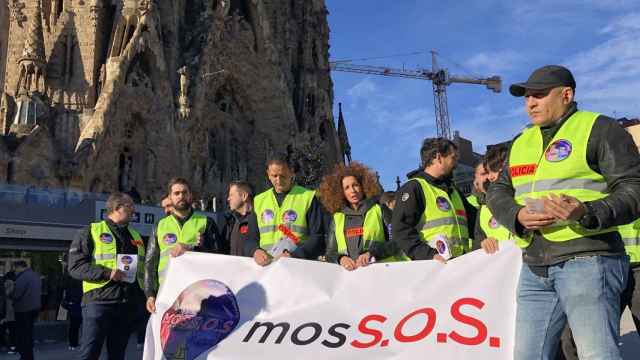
[[180, 231], [431, 218], [288, 217], [571, 178], [111, 299]]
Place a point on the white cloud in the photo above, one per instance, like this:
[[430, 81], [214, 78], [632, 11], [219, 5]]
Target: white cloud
[[626, 23], [363, 89], [554, 8], [497, 62], [608, 74], [488, 124]]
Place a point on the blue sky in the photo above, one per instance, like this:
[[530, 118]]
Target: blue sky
[[387, 118]]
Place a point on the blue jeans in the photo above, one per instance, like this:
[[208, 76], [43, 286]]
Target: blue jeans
[[585, 291], [111, 322]]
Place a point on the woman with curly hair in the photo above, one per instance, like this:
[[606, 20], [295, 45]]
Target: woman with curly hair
[[358, 233]]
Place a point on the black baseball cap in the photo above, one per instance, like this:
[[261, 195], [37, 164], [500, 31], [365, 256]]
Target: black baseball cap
[[546, 77]]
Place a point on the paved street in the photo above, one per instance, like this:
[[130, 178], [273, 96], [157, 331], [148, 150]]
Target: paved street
[[59, 351]]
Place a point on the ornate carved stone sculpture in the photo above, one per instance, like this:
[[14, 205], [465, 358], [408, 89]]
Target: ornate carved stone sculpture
[[183, 101], [16, 12]]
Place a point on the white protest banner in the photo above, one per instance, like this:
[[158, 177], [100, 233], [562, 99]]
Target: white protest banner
[[225, 307]]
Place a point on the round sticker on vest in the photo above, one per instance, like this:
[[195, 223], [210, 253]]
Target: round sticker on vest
[[170, 239], [558, 151], [289, 216], [441, 246], [493, 223], [267, 216], [106, 238], [443, 204], [127, 260]]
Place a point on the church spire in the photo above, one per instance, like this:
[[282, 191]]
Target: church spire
[[32, 62], [342, 135]]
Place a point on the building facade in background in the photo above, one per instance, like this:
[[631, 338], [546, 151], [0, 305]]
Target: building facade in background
[[105, 95]]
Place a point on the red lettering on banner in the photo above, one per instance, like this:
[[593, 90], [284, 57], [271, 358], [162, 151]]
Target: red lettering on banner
[[428, 328], [362, 327], [372, 336], [522, 170], [468, 320], [353, 232], [288, 233]]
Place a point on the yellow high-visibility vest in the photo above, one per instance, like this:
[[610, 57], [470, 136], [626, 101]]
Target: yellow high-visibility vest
[[169, 233], [290, 219], [105, 253], [560, 168], [444, 215], [373, 229]]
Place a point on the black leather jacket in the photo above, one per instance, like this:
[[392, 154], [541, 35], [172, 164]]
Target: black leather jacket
[[610, 152]]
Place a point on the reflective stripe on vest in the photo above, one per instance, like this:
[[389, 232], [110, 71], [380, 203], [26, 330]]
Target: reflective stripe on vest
[[169, 233], [561, 184], [373, 230], [292, 215], [444, 221], [630, 234], [491, 227], [560, 168], [105, 253], [443, 215]]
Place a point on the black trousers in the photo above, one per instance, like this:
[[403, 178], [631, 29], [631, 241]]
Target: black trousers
[[9, 327], [24, 333], [141, 326], [112, 323], [75, 321], [629, 298]]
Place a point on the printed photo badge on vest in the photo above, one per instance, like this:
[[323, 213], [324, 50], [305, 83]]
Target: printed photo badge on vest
[[558, 151], [170, 239], [202, 316], [106, 238], [443, 204], [129, 265], [441, 244], [289, 216], [267, 216], [127, 260]]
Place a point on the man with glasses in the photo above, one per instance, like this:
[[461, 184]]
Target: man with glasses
[[107, 256]]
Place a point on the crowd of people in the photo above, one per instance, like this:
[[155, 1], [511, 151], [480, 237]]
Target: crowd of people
[[566, 191]]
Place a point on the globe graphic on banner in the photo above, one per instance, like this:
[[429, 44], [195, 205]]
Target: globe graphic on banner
[[203, 315]]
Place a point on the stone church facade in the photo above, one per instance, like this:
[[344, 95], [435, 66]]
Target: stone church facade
[[106, 95]]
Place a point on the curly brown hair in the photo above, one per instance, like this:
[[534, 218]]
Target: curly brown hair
[[330, 191]]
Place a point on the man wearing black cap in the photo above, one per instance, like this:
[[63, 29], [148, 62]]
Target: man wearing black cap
[[570, 179]]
